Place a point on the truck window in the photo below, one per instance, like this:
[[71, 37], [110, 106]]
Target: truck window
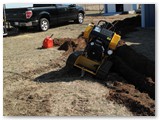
[[59, 5], [43, 5]]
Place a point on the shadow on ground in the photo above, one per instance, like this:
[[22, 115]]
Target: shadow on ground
[[66, 75]]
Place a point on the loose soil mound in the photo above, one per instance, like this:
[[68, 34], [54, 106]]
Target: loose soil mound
[[127, 25], [139, 103], [69, 44]]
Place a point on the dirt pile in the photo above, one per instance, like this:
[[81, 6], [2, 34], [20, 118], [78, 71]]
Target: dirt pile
[[127, 25], [69, 44], [139, 103], [135, 68]]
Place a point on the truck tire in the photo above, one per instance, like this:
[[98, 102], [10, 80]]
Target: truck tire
[[80, 18], [44, 24]]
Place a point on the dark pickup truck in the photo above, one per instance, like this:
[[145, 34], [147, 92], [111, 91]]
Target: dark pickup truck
[[44, 15]]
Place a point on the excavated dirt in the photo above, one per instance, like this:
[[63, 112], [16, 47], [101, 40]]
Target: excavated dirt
[[139, 103], [127, 25]]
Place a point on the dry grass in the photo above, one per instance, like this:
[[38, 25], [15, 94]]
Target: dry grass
[[23, 62]]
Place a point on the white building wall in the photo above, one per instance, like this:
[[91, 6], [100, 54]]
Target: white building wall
[[127, 7], [111, 8]]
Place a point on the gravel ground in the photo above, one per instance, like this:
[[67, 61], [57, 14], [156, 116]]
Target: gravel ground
[[23, 61]]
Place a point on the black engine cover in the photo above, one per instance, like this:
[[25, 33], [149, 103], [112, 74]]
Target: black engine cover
[[95, 50]]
